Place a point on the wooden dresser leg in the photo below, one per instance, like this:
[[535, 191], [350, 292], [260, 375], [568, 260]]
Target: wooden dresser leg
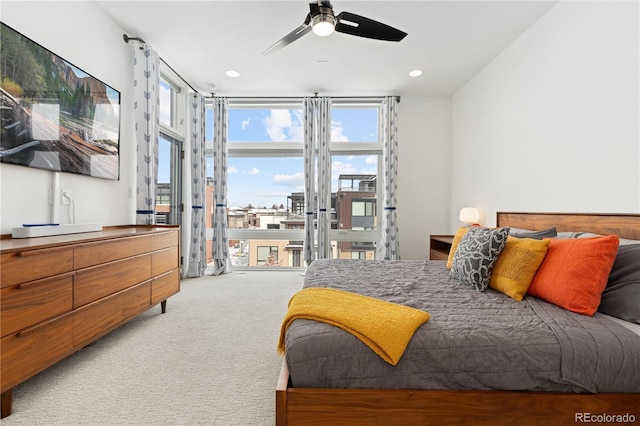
[[163, 306], [6, 400]]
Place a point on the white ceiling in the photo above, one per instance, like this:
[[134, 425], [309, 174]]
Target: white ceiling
[[449, 40]]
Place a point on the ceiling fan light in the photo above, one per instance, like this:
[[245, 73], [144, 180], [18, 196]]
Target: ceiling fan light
[[323, 29], [324, 23]]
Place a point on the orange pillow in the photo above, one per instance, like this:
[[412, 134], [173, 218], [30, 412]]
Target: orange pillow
[[574, 273]]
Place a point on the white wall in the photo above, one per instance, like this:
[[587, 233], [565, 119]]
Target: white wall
[[424, 182], [80, 33], [552, 123]]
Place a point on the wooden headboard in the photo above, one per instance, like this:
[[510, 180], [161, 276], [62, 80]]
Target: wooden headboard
[[626, 225]]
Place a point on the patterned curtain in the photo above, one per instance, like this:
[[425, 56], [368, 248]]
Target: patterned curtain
[[146, 78], [197, 254], [324, 177], [388, 247], [221, 260], [309, 179]]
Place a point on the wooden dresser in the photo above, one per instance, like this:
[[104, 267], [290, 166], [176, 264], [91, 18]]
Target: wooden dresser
[[439, 246], [60, 293]]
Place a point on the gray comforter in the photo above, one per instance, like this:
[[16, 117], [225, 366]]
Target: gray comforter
[[474, 340]]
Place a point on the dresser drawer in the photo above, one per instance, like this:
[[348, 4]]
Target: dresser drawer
[[164, 286], [30, 265], [91, 254], [166, 239], [436, 255], [26, 304], [107, 314], [99, 281], [30, 351], [164, 260]]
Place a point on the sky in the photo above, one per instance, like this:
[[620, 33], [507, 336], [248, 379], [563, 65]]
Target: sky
[[267, 181]]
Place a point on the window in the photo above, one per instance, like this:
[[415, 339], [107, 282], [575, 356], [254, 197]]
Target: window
[[355, 150], [274, 123], [167, 103], [169, 189], [172, 103], [265, 178], [264, 170], [363, 214], [297, 258], [354, 122], [267, 256]]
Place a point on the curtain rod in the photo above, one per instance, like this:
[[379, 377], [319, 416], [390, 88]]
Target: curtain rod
[[299, 97], [127, 39]]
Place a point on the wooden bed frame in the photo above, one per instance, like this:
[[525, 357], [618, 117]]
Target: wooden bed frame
[[314, 406]]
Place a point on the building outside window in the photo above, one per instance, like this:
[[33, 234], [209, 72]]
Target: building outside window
[[267, 256]]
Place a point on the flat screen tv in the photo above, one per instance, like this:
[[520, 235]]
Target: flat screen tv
[[54, 115]]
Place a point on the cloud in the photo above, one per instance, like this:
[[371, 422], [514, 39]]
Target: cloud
[[336, 132], [276, 123], [283, 125], [295, 180], [372, 159], [341, 168], [231, 169], [245, 124], [254, 171]]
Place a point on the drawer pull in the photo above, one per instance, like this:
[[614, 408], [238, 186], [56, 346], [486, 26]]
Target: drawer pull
[[44, 280], [164, 274], [40, 325], [39, 251], [28, 253]]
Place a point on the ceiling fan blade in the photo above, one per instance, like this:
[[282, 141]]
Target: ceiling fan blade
[[350, 23], [288, 39]]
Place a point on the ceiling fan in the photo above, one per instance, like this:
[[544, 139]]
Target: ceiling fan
[[322, 21]]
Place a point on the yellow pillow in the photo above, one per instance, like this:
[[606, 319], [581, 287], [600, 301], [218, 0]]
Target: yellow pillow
[[517, 265], [454, 244]]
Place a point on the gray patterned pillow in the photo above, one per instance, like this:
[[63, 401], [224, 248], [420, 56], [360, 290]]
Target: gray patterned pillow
[[476, 254]]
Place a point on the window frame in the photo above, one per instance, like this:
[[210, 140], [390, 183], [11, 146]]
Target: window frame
[[177, 126], [177, 132]]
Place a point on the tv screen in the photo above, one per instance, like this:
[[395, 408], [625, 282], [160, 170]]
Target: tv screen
[[54, 115]]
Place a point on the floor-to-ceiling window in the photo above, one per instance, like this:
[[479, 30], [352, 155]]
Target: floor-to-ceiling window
[[265, 168], [355, 150], [265, 178]]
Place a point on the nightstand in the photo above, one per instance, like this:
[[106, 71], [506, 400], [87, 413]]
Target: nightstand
[[440, 246]]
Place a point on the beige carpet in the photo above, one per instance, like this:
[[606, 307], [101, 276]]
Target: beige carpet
[[210, 360]]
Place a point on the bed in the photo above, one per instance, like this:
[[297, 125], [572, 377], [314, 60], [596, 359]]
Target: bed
[[472, 400]]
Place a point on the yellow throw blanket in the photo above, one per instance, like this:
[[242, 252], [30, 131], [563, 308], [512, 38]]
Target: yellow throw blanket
[[383, 326]]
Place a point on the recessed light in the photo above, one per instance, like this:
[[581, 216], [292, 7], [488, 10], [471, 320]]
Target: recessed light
[[233, 73], [415, 73]]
